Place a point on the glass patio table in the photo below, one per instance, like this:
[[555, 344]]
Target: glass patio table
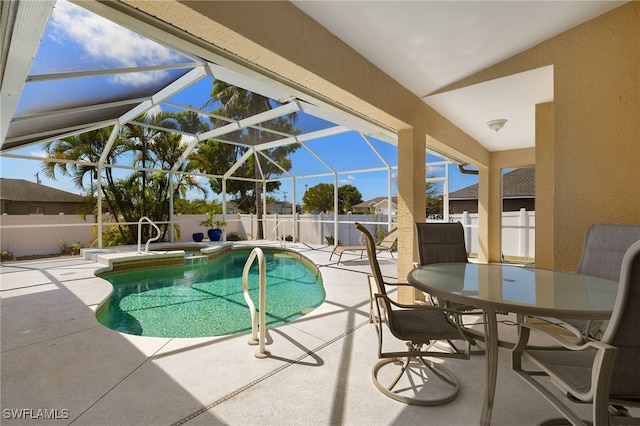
[[515, 289]]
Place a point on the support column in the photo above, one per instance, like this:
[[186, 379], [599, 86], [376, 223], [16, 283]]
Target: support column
[[545, 178], [411, 202], [483, 215]]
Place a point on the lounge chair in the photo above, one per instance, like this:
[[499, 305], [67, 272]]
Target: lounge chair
[[386, 243]]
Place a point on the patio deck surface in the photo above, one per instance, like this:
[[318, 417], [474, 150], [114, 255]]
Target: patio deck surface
[[56, 356]]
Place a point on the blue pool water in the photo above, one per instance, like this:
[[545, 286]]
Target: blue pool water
[[206, 299]]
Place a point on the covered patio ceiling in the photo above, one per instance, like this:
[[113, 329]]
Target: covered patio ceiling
[[52, 89]]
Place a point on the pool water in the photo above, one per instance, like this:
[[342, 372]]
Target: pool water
[[206, 299]]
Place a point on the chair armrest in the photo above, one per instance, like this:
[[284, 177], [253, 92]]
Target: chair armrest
[[449, 311]]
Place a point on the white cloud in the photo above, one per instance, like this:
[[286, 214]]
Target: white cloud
[[436, 170], [348, 180], [155, 110], [187, 139], [39, 153], [108, 43]]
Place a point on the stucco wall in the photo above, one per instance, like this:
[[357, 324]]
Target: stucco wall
[[592, 161]]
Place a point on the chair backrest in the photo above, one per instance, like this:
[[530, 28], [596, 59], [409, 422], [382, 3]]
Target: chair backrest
[[390, 239], [604, 246], [440, 242], [373, 259], [623, 330]]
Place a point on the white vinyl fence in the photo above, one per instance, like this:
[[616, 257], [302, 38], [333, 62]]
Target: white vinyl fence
[[518, 232], [28, 235], [45, 235]]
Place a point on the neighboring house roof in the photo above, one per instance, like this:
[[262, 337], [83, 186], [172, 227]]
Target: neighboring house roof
[[518, 183], [279, 205], [374, 202], [25, 191]]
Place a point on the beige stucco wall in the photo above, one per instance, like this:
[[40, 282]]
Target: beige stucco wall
[[596, 151], [544, 177], [588, 161], [594, 154]]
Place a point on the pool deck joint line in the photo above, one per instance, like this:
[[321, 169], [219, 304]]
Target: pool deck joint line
[[270, 374]]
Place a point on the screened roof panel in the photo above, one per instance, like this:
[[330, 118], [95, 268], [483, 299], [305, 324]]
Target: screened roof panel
[[52, 95], [34, 129], [77, 40], [89, 71], [245, 140], [329, 148], [304, 163], [196, 95]]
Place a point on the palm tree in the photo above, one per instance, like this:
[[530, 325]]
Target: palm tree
[[85, 148], [141, 193], [216, 157]]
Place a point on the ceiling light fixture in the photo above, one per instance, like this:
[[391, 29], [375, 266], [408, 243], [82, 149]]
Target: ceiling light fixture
[[496, 125]]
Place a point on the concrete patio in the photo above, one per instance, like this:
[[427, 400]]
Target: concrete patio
[[56, 356]]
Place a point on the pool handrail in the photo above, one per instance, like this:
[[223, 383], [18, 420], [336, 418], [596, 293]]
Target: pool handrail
[[262, 295], [146, 247], [275, 234]]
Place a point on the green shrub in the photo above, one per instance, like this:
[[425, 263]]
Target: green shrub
[[7, 256], [233, 236], [70, 250]]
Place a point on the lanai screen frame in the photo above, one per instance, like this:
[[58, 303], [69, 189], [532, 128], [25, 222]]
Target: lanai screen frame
[[28, 21]]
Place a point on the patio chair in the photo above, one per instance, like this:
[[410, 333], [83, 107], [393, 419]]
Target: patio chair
[[604, 373], [602, 252], [386, 244], [411, 378], [442, 242]]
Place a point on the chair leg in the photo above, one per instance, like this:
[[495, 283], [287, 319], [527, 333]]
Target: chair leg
[[415, 384]]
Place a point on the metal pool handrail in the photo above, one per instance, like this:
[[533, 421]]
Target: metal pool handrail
[[262, 295], [146, 247], [275, 235]]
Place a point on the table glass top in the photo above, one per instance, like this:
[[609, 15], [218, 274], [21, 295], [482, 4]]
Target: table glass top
[[526, 290]]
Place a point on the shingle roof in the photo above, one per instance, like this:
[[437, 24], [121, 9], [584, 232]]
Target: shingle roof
[[519, 183], [23, 190], [375, 201]]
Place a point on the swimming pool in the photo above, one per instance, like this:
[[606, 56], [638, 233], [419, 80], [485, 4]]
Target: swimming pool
[[206, 299]]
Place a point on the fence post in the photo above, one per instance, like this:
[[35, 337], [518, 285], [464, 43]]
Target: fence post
[[524, 233], [466, 222], [275, 226]]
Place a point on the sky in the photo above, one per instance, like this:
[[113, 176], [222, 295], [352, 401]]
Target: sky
[[77, 40]]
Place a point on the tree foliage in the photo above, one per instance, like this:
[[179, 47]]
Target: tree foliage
[[434, 201], [216, 157], [319, 198], [348, 196], [142, 192], [197, 206]]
